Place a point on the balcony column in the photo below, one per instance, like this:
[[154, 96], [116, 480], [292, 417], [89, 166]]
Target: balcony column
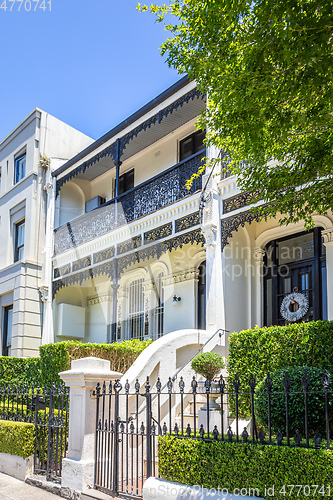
[[327, 234], [114, 287], [117, 163], [211, 229]]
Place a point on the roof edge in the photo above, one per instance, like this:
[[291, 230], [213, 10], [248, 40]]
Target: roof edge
[[125, 123]]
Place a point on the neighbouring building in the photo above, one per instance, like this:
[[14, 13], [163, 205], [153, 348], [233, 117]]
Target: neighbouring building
[[25, 230]]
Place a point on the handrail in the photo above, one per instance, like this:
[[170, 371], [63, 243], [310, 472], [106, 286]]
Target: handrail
[[220, 331]]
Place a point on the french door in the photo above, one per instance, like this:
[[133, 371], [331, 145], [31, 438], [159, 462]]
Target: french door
[[295, 264]]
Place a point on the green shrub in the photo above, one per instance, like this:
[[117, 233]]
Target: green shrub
[[17, 371], [57, 357], [225, 465], [316, 402], [17, 438], [263, 350], [208, 364]]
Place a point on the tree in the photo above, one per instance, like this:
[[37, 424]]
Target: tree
[[267, 68]]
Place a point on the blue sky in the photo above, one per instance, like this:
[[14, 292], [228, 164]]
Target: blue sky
[[90, 63]]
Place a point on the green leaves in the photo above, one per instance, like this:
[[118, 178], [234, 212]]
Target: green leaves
[[231, 466], [17, 438], [267, 68], [208, 364], [263, 350]]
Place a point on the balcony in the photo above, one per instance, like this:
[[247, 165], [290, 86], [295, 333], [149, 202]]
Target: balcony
[[154, 194]]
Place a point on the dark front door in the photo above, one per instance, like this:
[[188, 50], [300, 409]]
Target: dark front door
[[296, 263]]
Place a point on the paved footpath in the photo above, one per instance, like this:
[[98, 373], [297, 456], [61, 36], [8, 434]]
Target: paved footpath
[[14, 489]]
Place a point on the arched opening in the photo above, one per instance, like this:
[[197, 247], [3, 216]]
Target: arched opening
[[296, 263], [72, 203], [201, 311]]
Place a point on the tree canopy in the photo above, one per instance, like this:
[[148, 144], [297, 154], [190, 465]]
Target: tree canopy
[[267, 68]]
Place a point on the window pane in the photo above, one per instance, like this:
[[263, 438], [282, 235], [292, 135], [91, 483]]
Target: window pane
[[324, 291], [199, 138], [20, 235], [9, 328], [20, 168], [186, 148], [295, 249]]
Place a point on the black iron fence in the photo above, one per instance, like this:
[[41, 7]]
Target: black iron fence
[[129, 421], [46, 408]]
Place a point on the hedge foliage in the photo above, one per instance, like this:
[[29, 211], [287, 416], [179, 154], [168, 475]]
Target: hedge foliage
[[19, 370], [17, 438], [208, 364], [226, 465], [57, 357], [316, 401], [262, 350]]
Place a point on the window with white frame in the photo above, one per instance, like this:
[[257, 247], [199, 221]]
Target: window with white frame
[[19, 240], [136, 323], [159, 309], [19, 167]]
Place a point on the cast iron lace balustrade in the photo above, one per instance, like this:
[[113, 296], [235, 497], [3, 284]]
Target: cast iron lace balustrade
[[154, 194]]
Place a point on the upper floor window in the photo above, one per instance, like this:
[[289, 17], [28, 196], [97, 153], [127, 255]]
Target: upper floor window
[[126, 182], [0, 180], [191, 144], [19, 240], [19, 168]]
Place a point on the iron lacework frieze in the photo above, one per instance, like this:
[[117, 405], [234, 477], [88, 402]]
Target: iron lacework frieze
[[187, 222], [238, 201], [155, 251], [164, 189], [136, 257], [81, 263], [128, 245], [112, 150], [234, 222], [78, 278], [158, 233], [61, 271], [104, 255]]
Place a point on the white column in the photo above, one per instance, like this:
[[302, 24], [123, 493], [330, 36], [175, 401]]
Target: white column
[[149, 304], [259, 255], [211, 229], [328, 242], [78, 467], [46, 285]]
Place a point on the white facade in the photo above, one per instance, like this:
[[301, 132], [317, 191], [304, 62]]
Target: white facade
[[143, 276], [24, 196]]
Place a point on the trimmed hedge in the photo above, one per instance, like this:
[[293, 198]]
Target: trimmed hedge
[[226, 465], [17, 438], [262, 350], [316, 401], [57, 357], [19, 370]]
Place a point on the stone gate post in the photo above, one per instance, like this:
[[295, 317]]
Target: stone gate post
[[85, 373]]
